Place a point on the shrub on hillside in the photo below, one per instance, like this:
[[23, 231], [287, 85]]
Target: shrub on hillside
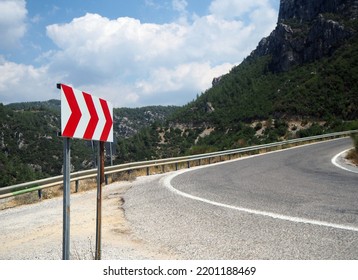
[[353, 154], [355, 141]]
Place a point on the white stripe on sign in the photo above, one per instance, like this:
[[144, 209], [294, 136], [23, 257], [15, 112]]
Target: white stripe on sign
[[85, 116]]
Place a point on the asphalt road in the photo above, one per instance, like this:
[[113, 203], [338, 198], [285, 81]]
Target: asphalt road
[[293, 204]]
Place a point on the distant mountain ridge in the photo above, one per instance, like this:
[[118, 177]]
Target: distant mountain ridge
[[52, 104]]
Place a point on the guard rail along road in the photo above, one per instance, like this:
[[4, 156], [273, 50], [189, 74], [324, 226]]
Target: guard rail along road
[[39, 185]]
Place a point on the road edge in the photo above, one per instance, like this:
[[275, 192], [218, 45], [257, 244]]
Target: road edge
[[339, 161]]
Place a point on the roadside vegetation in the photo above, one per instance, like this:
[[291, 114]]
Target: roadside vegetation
[[353, 154]]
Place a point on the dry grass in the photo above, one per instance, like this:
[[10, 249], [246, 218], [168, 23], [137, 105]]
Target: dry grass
[[352, 156], [57, 191]]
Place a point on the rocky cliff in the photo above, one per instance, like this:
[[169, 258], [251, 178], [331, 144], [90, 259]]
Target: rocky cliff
[[308, 30], [308, 10]]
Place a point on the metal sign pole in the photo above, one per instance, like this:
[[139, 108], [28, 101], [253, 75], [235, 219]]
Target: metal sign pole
[[66, 199], [110, 149], [100, 181]]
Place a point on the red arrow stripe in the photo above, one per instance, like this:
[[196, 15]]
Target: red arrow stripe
[[109, 121], [76, 114], [91, 127]]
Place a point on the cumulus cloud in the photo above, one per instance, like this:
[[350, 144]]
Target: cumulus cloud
[[131, 63], [180, 83], [24, 81], [93, 40], [12, 22]]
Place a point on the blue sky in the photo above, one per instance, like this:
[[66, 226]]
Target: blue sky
[[131, 53]]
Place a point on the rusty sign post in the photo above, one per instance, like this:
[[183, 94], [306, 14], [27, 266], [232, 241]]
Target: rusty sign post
[[100, 181], [91, 118]]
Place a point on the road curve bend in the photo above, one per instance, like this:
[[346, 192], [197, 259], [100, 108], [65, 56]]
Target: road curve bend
[[291, 204]]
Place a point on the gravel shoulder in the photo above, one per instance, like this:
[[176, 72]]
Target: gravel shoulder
[[31, 232]]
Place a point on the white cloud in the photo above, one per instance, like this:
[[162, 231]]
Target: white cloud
[[133, 64], [19, 82], [114, 41], [180, 5], [185, 79], [12, 22]]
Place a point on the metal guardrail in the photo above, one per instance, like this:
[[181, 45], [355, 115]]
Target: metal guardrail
[[92, 173]]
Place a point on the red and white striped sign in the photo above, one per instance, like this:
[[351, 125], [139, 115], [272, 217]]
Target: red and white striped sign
[[85, 116]]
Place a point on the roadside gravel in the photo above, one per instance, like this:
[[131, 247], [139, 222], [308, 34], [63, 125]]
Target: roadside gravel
[[31, 232]]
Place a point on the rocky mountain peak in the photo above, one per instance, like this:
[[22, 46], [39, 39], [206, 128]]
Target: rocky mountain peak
[[308, 30], [308, 10]]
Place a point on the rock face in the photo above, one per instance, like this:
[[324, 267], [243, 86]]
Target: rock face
[[308, 10], [308, 30]]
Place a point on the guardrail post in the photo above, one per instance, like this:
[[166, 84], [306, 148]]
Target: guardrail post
[[39, 192], [176, 166], [188, 164], [106, 179], [148, 171], [76, 186]]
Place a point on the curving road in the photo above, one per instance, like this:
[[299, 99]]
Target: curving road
[[292, 204]]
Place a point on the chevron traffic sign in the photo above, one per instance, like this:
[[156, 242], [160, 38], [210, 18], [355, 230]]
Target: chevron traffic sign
[[85, 116]]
